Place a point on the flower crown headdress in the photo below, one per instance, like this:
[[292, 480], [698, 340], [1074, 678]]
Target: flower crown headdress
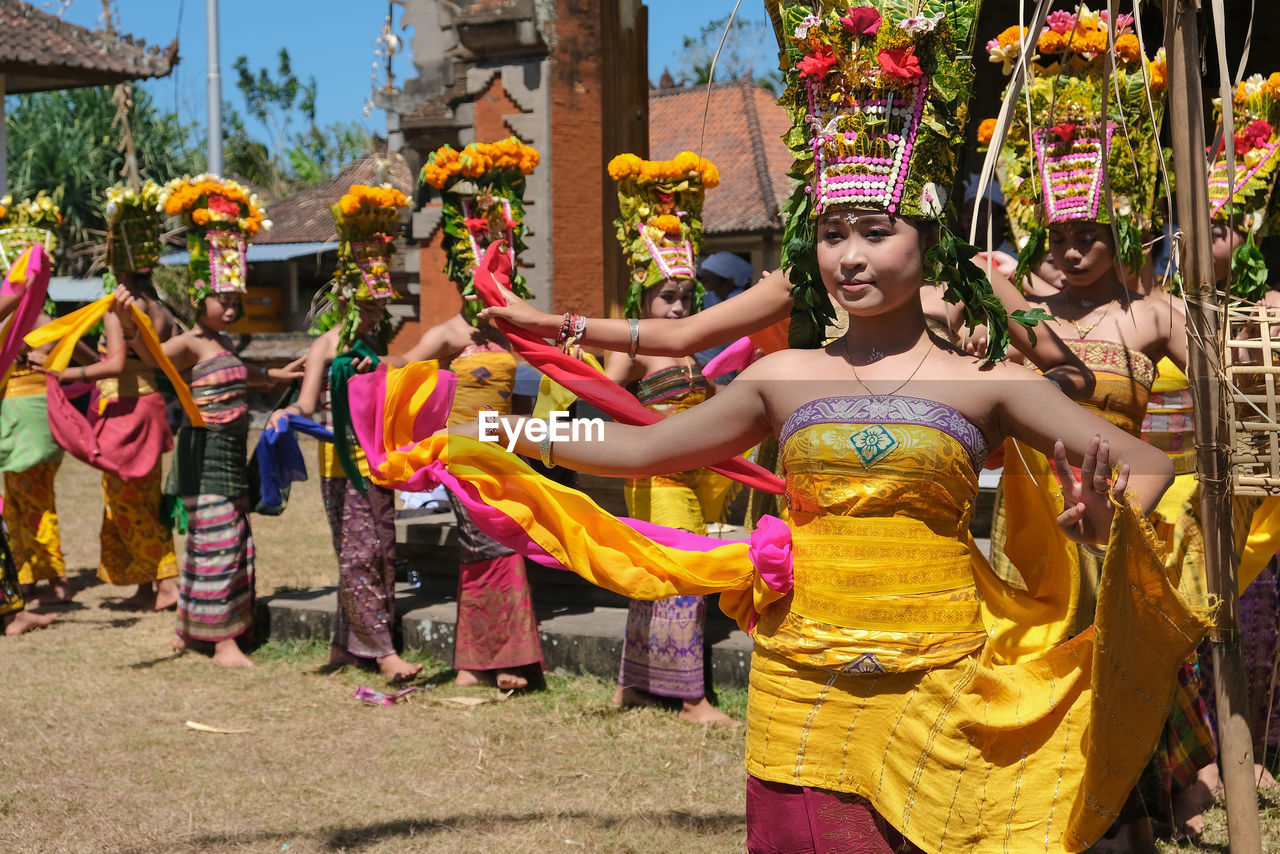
[[367, 219], [25, 224], [133, 228], [660, 222], [1252, 205], [220, 215], [483, 192], [1055, 163], [878, 95]]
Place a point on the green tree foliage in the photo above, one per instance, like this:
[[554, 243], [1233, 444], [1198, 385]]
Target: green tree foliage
[[750, 51], [64, 142], [291, 158]]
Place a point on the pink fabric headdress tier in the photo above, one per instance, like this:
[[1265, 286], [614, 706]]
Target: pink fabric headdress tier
[[373, 258], [1070, 168], [675, 262], [862, 150], [28, 277]]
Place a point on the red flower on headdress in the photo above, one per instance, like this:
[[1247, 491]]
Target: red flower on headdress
[[1066, 131], [817, 64], [901, 63], [222, 205], [862, 21], [1254, 136]]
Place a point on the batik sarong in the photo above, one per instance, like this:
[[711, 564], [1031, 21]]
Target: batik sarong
[[497, 629], [32, 519], [216, 594], [136, 547], [364, 538]]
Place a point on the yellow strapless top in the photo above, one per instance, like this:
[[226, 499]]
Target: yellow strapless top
[[1123, 381], [1169, 423], [485, 379], [880, 491], [24, 382]]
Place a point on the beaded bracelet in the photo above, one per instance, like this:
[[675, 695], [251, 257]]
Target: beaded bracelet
[[566, 326]]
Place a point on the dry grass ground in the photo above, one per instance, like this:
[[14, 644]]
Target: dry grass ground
[[95, 755]]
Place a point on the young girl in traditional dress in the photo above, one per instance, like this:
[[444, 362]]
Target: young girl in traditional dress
[[663, 647], [361, 515], [497, 631], [210, 474]]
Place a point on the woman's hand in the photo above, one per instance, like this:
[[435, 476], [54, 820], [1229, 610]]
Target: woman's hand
[[123, 309], [362, 366], [520, 313], [1003, 262], [975, 344], [1087, 504], [273, 421], [288, 373]]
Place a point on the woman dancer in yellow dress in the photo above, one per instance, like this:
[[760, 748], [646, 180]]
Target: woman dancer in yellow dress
[[898, 688]]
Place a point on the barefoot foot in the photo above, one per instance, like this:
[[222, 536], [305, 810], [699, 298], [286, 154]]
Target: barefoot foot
[[633, 697], [395, 669], [143, 600], [227, 653], [474, 678], [25, 621], [510, 680], [1188, 809], [178, 644], [166, 595], [700, 711], [339, 657], [58, 592]]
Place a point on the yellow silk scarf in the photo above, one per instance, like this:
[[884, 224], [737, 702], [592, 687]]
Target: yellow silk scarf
[[66, 331]]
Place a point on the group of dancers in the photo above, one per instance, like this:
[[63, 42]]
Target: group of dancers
[[907, 691]]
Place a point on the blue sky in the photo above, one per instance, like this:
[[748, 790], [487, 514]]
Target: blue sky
[[330, 39]]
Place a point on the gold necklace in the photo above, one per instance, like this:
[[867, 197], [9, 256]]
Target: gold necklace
[[1084, 333], [901, 385]]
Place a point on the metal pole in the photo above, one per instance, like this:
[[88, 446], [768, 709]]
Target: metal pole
[[214, 96], [1186, 114]]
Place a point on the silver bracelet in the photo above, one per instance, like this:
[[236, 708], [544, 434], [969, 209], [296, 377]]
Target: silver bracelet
[[1094, 550], [579, 327], [544, 449], [634, 325]]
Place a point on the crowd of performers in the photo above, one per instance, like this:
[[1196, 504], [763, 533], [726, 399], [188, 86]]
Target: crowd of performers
[[907, 692]]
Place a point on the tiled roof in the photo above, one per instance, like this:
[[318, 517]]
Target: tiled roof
[[744, 128], [304, 217], [41, 52]]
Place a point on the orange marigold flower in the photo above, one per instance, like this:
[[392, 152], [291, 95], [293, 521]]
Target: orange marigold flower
[[1128, 49], [200, 216], [986, 131], [668, 223], [1273, 83], [1011, 36], [624, 166], [1051, 42]]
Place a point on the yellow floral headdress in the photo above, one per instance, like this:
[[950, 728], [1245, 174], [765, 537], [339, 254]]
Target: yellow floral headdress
[[133, 228], [482, 187], [367, 219], [660, 227], [26, 223]]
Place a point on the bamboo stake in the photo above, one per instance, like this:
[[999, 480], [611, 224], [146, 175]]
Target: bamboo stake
[[1205, 320]]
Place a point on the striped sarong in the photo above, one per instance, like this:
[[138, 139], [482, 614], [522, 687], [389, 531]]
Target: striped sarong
[[215, 587]]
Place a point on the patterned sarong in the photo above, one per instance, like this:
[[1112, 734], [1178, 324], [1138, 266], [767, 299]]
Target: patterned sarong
[[32, 519], [364, 538], [215, 591]]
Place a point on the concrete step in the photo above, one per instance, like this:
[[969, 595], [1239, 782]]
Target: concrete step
[[581, 639]]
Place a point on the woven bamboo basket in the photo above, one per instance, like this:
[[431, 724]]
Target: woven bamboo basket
[[133, 243], [1252, 361]]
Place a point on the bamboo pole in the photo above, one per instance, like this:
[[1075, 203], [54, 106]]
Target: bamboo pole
[[1205, 317]]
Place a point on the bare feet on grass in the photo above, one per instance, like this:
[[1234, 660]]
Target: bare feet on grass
[[25, 621], [227, 653], [178, 644], [143, 600], [58, 592], [633, 697], [700, 711], [395, 669], [339, 657], [166, 595], [506, 680]]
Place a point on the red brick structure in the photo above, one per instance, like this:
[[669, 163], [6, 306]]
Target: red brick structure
[[569, 77]]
